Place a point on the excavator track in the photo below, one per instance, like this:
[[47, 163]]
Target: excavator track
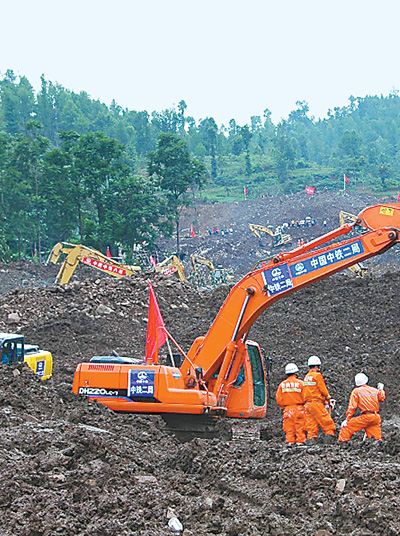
[[188, 427]]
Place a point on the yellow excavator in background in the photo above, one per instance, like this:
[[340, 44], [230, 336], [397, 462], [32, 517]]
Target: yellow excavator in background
[[13, 349], [171, 265], [215, 276], [346, 217], [86, 255], [196, 261], [277, 238]]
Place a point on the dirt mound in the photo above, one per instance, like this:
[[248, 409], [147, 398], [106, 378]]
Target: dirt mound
[[25, 275], [76, 469]]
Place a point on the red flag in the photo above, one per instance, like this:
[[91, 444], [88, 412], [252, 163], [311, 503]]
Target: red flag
[[346, 180], [156, 335], [310, 190], [192, 233], [245, 190], [398, 198], [152, 261], [108, 252]]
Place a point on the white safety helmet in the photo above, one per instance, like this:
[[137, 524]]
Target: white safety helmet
[[360, 379], [313, 361], [291, 368]]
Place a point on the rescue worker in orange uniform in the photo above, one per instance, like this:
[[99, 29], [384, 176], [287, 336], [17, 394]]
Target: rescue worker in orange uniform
[[316, 398], [289, 397], [366, 399]]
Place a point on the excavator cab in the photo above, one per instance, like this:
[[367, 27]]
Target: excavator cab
[[14, 350]]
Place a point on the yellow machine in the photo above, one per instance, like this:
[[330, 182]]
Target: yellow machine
[[89, 256], [14, 350], [346, 217], [171, 265], [215, 276], [196, 260], [277, 239]]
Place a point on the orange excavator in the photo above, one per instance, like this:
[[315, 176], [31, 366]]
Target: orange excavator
[[224, 373]]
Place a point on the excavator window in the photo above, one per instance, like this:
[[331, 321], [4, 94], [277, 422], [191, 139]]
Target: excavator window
[[12, 352], [240, 379], [258, 375]]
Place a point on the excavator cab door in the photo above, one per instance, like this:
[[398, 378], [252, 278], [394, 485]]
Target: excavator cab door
[[248, 396], [258, 373]]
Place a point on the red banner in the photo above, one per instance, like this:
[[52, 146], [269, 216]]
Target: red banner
[[156, 335], [245, 190], [398, 198], [192, 233], [346, 180], [310, 190], [104, 266], [169, 271]]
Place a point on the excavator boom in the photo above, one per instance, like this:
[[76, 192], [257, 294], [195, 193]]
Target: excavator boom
[[291, 271]]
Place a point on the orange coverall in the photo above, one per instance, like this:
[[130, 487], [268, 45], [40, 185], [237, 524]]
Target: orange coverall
[[367, 399], [316, 395], [289, 397]]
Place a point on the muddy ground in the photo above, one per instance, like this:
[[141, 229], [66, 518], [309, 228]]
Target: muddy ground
[[76, 469]]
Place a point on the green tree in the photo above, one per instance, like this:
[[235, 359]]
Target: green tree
[[246, 137], [175, 172], [17, 103], [134, 213], [209, 130], [284, 153], [22, 190], [182, 108]]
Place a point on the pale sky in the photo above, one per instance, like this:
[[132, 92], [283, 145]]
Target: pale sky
[[225, 58]]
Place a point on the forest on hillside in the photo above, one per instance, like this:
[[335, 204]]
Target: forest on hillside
[[75, 169]]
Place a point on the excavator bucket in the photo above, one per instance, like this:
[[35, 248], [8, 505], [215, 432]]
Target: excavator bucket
[[380, 216]]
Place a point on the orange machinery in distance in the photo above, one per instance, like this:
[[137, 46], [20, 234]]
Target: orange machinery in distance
[[224, 373]]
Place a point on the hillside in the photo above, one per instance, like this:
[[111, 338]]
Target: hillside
[[239, 249]]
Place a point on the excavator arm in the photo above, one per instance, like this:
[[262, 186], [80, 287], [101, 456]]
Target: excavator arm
[[171, 265], [346, 217], [285, 274], [89, 256], [58, 249], [196, 260]]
